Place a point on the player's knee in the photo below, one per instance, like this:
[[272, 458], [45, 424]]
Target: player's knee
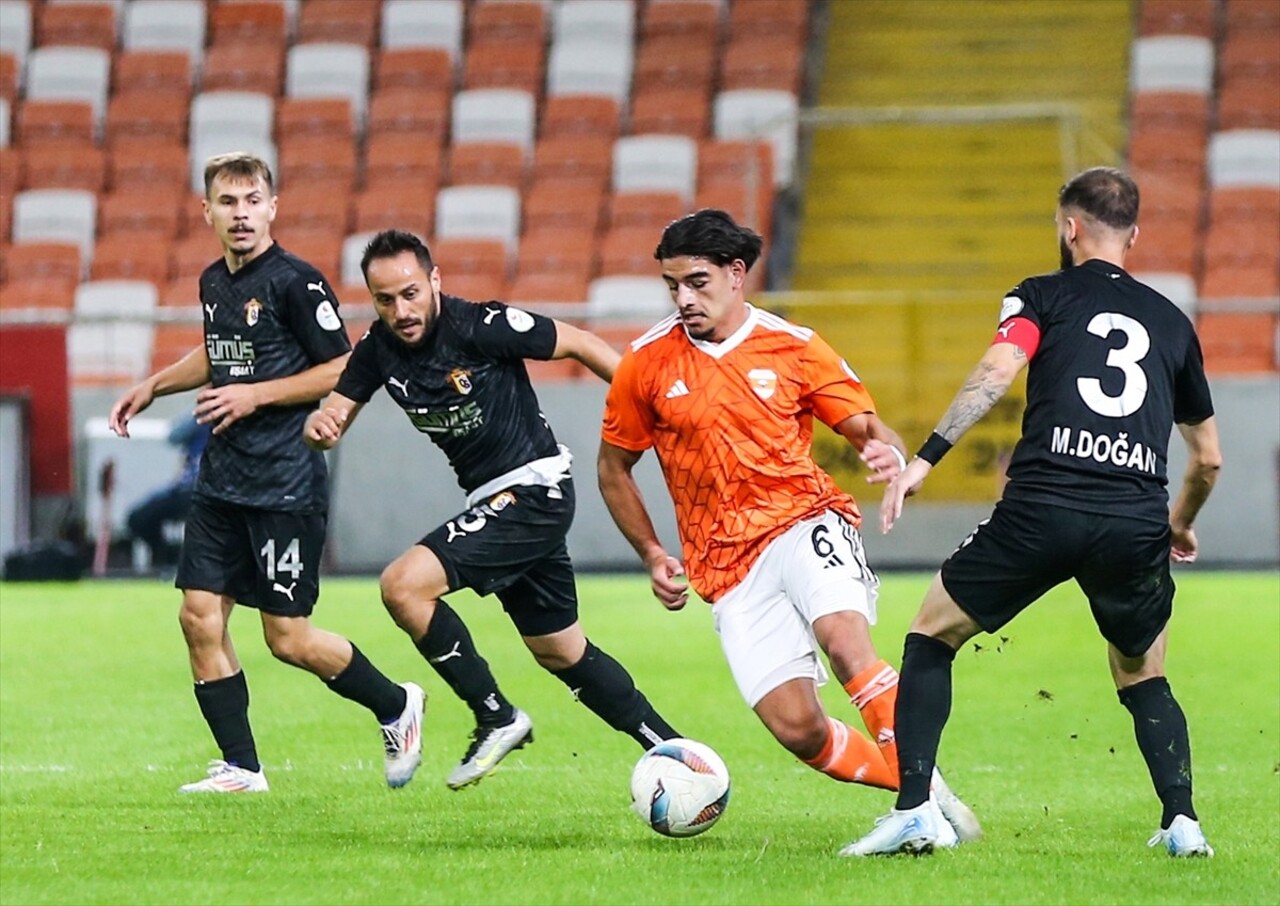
[[199, 627], [802, 738], [396, 588]]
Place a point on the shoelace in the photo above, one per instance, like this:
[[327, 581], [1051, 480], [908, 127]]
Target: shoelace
[[1159, 838], [217, 766], [392, 739]]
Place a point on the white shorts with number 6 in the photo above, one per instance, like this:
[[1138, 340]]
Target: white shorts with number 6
[[765, 622]]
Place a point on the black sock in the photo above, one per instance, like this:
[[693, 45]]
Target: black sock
[[365, 684], [448, 648], [225, 706], [604, 686], [1161, 728], [924, 704]]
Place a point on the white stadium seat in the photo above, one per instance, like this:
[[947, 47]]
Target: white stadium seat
[[479, 212], [116, 299], [1245, 157], [166, 25], [216, 113], [624, 297], [655, 163], [494, 115], [609, 21], [56, 215], [412, 23], [761, 113], [352, 252], [1172, 63], [117, 351], [1180, 289], [208, 146], [591, 67], [4, 123], [70, 74], [325, 70], [15, 31]]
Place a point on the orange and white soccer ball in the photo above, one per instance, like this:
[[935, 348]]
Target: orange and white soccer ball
[[680, 787]]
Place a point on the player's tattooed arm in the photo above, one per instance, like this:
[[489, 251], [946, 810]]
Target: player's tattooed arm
[[987, 383]]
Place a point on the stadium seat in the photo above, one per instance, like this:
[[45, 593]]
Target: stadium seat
[[1240, 244], [15, 31], [563, 251], [784, 21], [1245, 16], [677, 60], [1173, 152], [648, 210], [1164, 244], [493, 115], [315, 117], [471, 256], [1238, 342], [565, 202], [762, 61], [1172, 63], [412, 23], [547, 287], [1179, 289], [70, 74], [190, 256], [191, 220], [338, 20], [487, 164], [508, 22], [696, 17], [125, 257], [1186, 112], [1245, 157], [152, 72], [204, 148], [478, 212], [574, 114], [5, 119], [590, 67], [232, 115], [87, 24], [1249, 104], [400, 157], [420, 68], [141, 163], [1250, 55], [141, 211], [45, 300], [258, 68], [57, 261], [56, 215], [322, 248], [55, 123], [1177, 17], [316, 162], [115, 353], [262, 22], [352, 251], [66, 167], [12, 172], [177, 295], [421, 111], [9, 81], [611, 21], [628, 298], [661, 163], [671, 111], [116, 299], [753, 208], [1259, 207], [330, 70], [755, 114], [149, 116], [474, 287], [399, 204], [519, 67], [727, 160], [173, 341], [314, 206], [1230, 281], [629, 252], [165, 25]]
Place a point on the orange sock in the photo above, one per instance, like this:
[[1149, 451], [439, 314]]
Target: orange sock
[[874, 692], [850, 757]]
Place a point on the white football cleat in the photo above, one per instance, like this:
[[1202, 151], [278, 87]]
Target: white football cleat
[[958, 815], [1183, 839], [227, 778], [948, 836], [489, 745], [402, 738], [914, 831]]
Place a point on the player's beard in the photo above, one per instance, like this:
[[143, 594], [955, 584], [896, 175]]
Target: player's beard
[[1064, 254]]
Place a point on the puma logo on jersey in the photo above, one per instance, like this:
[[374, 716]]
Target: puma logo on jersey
[[1004, 331], [490, 314], [677, 389], [210, 309], [287, 592], [447, 655], [318, 287], [403, 385]]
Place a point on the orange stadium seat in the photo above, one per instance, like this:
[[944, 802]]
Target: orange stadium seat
[[474, 287], [565, 202], [191, 220], [675, 61], [1163, 110], [180, 294], [57, 261], [784, 21], [148, 115], [398, 205], [1250, 55], [681, 17], [1245, 16], [12, 173], [124, 257], [1231, 280], [546, 287], [392, 157], [576, 156], [156, 71], [731, 160], [53, 297], [77, 25], [1240, 244], [649, 210], [628, 251], [1249, 104], [671, 111], [761, 61], [233, 66], [173, 341], [562, 251], [311, 160], [328, 117], [487, 164], [414, 67], [67, 167], [63, 123], [1257, 206], [1176, 17], [471, 256], [1164, 244], [505, 65], [250, 22], [574, 114], [190, 256], [1167, 195], [510, 21], [422, 111], [8, 77], [139, 211], [140, 163], [1238, 342], [339, 21], [751, 209], [322, 249], [316, 206], [1168, 151]]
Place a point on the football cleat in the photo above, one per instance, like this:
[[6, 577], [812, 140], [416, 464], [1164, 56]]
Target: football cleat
[[1183, 839], [402, 738], [958, 815], [227, 778], [489, 745], [914, 831]]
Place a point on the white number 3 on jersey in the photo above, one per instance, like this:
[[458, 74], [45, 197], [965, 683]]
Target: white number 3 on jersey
[[1126, 358]]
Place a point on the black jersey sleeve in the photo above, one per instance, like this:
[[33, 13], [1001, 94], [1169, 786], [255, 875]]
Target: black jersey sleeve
[[1192, 402], [1023, 301], [361, 378], [313, 315], [506, 332]]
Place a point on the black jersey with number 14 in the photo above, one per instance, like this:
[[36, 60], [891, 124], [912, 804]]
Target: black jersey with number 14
[[464, 385], [1118, 364]]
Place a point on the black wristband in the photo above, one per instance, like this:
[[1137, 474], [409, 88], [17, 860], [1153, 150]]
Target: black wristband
[[934, 449]]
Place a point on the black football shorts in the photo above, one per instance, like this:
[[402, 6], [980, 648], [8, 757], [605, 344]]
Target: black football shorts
[[513, 546], [1025, 549], [262, 558]]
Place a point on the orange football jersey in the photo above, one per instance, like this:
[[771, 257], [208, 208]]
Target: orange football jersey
[[732, 425]]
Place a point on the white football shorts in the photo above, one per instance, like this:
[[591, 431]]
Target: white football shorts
[[765, 622]]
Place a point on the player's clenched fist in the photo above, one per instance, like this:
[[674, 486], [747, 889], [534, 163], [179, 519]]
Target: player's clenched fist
[[323, 428]]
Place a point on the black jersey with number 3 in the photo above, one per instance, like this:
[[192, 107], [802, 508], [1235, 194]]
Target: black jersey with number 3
[[274, 317], [1118, 364], [465, 385]]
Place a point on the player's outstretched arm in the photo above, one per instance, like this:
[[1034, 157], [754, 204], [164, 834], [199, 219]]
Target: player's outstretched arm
[[587, 348], [622, 496], [1203, 464], [188, 373], [326, 425], [879, 446], [224, 406]]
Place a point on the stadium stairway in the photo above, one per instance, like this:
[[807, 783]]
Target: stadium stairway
[[915, 225]]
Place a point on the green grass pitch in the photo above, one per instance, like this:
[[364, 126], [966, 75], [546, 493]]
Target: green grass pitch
[[98, 727]]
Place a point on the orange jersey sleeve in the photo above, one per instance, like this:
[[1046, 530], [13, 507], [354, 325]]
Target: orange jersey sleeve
[[628, 417], [835, 390]]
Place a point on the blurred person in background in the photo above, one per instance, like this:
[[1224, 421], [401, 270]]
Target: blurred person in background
[[170, 502]]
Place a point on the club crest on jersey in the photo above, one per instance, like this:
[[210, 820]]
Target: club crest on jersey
[[252, 312], [502, 501], [764, 381], [461, 380]]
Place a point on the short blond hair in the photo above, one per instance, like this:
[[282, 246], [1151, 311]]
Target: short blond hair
[[240, 165]]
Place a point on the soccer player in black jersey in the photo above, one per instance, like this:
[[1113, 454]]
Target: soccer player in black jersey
[[274, 344], [1113, 366], [457, 370]]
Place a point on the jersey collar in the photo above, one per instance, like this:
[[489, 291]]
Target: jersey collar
[[731, 342]]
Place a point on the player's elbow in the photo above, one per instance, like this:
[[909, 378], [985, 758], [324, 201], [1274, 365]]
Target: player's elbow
[[1207, 462]]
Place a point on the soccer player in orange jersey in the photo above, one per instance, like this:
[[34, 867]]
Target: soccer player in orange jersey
[[726, 395]]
